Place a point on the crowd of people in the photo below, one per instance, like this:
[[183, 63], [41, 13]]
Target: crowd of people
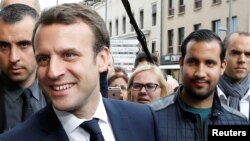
[[56, 69]]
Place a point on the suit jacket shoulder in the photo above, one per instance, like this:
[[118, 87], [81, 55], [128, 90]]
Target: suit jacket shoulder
[[2, 109], [131, 121], [42, 126], [163, 102]]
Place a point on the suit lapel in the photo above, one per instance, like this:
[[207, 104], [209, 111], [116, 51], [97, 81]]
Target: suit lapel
[[120, 123], [118, 120], [2, 110], [51, 126]]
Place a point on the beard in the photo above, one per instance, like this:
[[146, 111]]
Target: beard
[[198, 94]]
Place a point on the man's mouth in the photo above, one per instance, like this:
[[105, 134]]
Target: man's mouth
[[62, 87]]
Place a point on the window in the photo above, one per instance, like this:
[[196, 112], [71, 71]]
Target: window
[[233, 25], [197, 4], [141, 19], [181, 2], [197, 26], [170, 8], [181, 6], [124, 25], [110, 28], [170, 40], [216, 1], [180, 37], [153, 47], [170, 4], [215, 26], [154, 14], [116, 27]]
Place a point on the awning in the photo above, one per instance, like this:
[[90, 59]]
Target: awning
[[169, 67]]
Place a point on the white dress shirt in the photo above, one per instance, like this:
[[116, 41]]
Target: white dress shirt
[[71, 124], [244, 102]]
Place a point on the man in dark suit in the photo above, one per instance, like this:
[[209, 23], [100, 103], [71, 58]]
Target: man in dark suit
[[71, 48], [18, 66]]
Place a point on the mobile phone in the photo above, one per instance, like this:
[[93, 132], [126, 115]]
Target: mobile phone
[[114, 92]]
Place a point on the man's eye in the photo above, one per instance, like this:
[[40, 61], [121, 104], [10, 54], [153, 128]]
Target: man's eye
[[42, 60], [235, 52], [191, 62], [210, 63], [4, 46], [247, 54], [70, 55], [24, 44]]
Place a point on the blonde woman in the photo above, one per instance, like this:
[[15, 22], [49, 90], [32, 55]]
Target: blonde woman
[[147, 84]]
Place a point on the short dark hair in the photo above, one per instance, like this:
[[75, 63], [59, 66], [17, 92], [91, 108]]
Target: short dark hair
[[71, 13], [141, 56], [35, 4], [202, 35], [16, 12]]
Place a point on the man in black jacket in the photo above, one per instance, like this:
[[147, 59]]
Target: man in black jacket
[[186, 114]]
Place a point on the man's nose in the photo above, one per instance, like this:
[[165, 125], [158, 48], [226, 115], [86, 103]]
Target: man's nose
[[56, 68], [14, 55], [200, 71]]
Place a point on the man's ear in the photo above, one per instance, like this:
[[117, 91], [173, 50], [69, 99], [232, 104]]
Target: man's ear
[[223, 66], [181, 61], [103, 59]]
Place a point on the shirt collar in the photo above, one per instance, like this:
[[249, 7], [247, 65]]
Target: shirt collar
[[14, 91], [70, 122], [35, 89]]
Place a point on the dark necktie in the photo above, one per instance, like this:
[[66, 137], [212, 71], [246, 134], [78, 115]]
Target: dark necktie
[[93, 129], [27, 108]]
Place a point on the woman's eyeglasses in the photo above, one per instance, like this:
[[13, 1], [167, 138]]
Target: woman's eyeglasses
[[150, 87]]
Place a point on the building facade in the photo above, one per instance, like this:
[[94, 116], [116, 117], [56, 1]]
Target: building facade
[[165, 23], [147, 14], [181, 17]]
